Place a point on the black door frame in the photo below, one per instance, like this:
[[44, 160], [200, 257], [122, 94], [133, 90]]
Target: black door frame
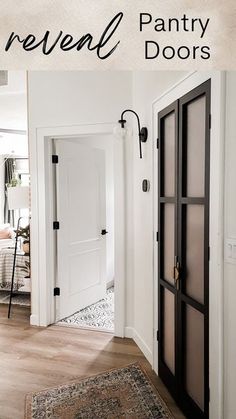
[[175, 383]]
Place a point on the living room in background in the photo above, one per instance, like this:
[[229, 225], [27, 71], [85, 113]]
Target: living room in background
[[14, 190]]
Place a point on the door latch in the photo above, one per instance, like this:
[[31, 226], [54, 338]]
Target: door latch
[[177, 274]]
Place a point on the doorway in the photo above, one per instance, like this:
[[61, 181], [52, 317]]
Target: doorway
[[183, 251], [84, 206], [43, 245]]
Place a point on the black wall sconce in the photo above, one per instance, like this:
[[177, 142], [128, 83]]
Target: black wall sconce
[[142, 132]]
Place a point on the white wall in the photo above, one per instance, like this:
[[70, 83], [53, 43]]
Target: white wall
[[3, 77], [73, 98], [147, 86], [230, 269], [59, 98]]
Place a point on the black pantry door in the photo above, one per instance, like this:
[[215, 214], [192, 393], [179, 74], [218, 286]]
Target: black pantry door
[[183, 250]]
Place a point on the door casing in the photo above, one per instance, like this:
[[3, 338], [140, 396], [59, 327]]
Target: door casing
[[43, 261], [216, 227]]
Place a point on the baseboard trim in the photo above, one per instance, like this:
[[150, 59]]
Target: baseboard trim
[[143, 346], [34, 320], [110, 283], [130, 332]]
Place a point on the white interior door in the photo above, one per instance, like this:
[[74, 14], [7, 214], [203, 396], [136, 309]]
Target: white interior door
[[81, 212]]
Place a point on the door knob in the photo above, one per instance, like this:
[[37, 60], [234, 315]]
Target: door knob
[[103, 232]]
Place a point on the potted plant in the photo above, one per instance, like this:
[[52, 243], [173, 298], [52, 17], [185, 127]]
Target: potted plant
[[15, 181], [24, 232]]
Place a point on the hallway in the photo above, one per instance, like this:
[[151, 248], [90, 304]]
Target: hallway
[[34, 358]]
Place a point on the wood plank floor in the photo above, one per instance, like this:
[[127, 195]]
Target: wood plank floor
[[33, 358]]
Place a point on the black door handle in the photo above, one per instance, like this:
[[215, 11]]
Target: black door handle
[[103, 232]]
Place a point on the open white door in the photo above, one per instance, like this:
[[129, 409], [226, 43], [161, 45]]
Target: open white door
[[81, 212]]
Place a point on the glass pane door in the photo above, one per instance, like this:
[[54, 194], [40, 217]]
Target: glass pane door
[[183, 250]]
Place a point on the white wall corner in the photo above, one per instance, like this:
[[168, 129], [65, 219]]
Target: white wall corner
[[129, 332], [143, 346]]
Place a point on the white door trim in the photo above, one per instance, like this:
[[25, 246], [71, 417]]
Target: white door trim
[[216, 223], [42, 210]]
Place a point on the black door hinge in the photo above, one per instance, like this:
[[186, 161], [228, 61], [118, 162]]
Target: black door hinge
[[209, 121], [56, 225], [157, 335], [209, 253], [157, 236], [56, 291], [55, 158], [157, 142]]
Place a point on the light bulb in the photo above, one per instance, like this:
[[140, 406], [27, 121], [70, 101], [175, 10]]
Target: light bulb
[[119, 132]]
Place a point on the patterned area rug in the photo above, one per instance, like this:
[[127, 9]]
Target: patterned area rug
[[122, 393], [18, 299], [99, 315]]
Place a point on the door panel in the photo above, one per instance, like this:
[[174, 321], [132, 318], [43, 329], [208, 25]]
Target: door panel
[[168, 213], [193, 248], [84, 270], [168, 127], [81, 211], [194, 264], [195, 146], [84, 177], [183, 251], [169, 330], [194, 359], [169, 154]]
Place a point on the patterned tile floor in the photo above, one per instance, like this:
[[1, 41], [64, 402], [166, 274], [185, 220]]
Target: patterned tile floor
[[99, 315]]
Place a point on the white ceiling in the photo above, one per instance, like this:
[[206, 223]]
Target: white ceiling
[[16, 83]]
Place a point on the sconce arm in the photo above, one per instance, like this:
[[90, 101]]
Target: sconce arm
[[122, 121]]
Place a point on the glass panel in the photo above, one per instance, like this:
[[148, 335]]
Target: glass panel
[[169, 155], [169, 330], [195, 355], [195, 252], [196, 147], [169, 241]]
